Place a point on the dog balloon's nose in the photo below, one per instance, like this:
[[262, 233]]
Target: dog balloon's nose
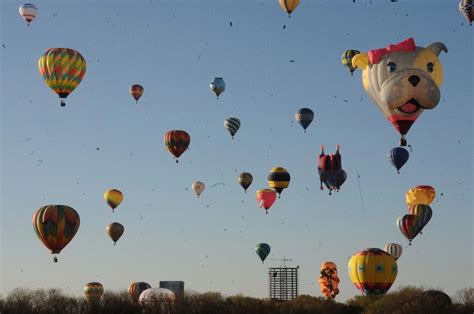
[[414, 80]]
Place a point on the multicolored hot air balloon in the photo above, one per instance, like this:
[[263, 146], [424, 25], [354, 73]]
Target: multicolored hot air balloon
[[262, 250], [347, 60], [93, 291], [278, 179], [422, 194], [328, 279], [394, 249], [217, 86], [398, 156], [245, 180], [423, 211], [289, 5], [466, 9], [410, 225], [232, 125], [402, 80], [266, 198], [28, 12], [136, 91], [113, 198], [330, 170], [373, 271], [115, 231], [198, 187], [136, 288], [63, 70], [177, 142], [304, 117], [56, 226]]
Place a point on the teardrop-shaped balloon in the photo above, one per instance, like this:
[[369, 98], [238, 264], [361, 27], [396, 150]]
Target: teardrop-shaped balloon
[[278, 179], [177, 142], [262, 250], [398, 156], [410, 225], [347, 60], [113, 198], [232, 125], [115, 231], [136, 91], [28, 12], [245, 180], [93, 291], [198, 187], [266, 198], [422, 194], [394, 249], [424, 212], [217, 86], [136, 288], [304, 117], [289, 5]]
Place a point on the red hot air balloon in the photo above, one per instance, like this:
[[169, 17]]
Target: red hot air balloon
[[410, 225], [177, 142], [266, 198]]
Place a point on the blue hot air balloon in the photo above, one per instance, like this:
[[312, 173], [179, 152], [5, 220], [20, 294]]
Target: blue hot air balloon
[[398, 156]]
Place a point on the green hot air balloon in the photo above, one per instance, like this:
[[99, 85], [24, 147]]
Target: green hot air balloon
[[262, 250]]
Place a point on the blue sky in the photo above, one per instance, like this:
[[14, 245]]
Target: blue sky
[[174, 49]]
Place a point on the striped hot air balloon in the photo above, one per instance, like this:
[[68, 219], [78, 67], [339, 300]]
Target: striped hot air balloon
[[373, 271], [245, 180], [136, 91], [347, 60], [177, 142], [136, 288], [113, 198], [278, 179], [304, 117], [93, 291], [232, 125], [422, 194], [409, 225], [56, 226], [63, 70], [394, 249], [423, 211], [28, 12], [262, 250], [466, 9], [217, 86]]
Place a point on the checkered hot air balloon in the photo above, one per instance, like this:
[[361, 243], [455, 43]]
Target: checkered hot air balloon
[[63, 70], [232, 125], [466, 9]]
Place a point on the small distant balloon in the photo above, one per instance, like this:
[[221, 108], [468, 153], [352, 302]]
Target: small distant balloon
[[266, 198], [113, 198], [28, 12], [289, 5], [262, 250], [278, 179], [136, 91], [115, 231], [394, 249], [304, 117], [398, 156], [232, 125], [217, 86], [198, 187], [245, 180], [93, 291], [177, 142]]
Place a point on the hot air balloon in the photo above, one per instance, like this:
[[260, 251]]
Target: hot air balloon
[[93, 291], [262, 250], [278, 179], [328, 279], [115, 231], [373, 271], [217, 86], [304, 117], [232, 125], [154, 296], [113, 198], [330, 170], [423, 211], [398, 156], [410, 225], [394, 249], [466, 8], [177, 142], [402, 80], [289, 5], [136, 91], [422, 194], [245, 179], [56, 226], [266, 198], [198, 187], [436, 297], [347, 60], [28, 12], [63, 70], [136, 288]]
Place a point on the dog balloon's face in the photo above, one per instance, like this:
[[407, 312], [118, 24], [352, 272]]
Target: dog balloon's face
[[330, 268]]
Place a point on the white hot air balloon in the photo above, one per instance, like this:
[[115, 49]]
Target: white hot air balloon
[[218, 86], [28, 12], [154, 296], [198, 187], [393, 249]]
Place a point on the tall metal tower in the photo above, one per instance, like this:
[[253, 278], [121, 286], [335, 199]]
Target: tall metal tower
[[283, 281]]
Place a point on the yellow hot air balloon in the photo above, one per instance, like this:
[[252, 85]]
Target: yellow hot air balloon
[[278, 179], [422, 194], [289, 5], [373, 271], [113, 198]]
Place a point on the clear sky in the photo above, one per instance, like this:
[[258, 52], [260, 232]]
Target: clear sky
[[174, 48]]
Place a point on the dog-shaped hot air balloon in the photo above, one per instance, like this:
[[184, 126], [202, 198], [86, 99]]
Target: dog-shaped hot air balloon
[[402, 80], [328, 280]]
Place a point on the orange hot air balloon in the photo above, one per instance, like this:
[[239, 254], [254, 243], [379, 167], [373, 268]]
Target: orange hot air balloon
[[422, 194], [136, 288], [328, 280], [266, 198], [177, 142], [136, 91]]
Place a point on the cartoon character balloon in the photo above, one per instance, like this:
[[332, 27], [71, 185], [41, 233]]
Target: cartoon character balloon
[[113, 198], [394, 249], [289, 5], [466, 7], [198, 187], [28, 12], [402, 80], [115, 231], [177, 142], [136, 91], [304, 117], [278, 179], [232, 125], [262, 250], [328, 279], [56, 226], [63, 70], [266, 198], [93, 291], [136, 288], [373, 271], [217, 86], [330, 170]]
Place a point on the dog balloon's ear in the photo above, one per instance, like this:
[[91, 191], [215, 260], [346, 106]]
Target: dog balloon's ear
[[360, 60], [437, 47]]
